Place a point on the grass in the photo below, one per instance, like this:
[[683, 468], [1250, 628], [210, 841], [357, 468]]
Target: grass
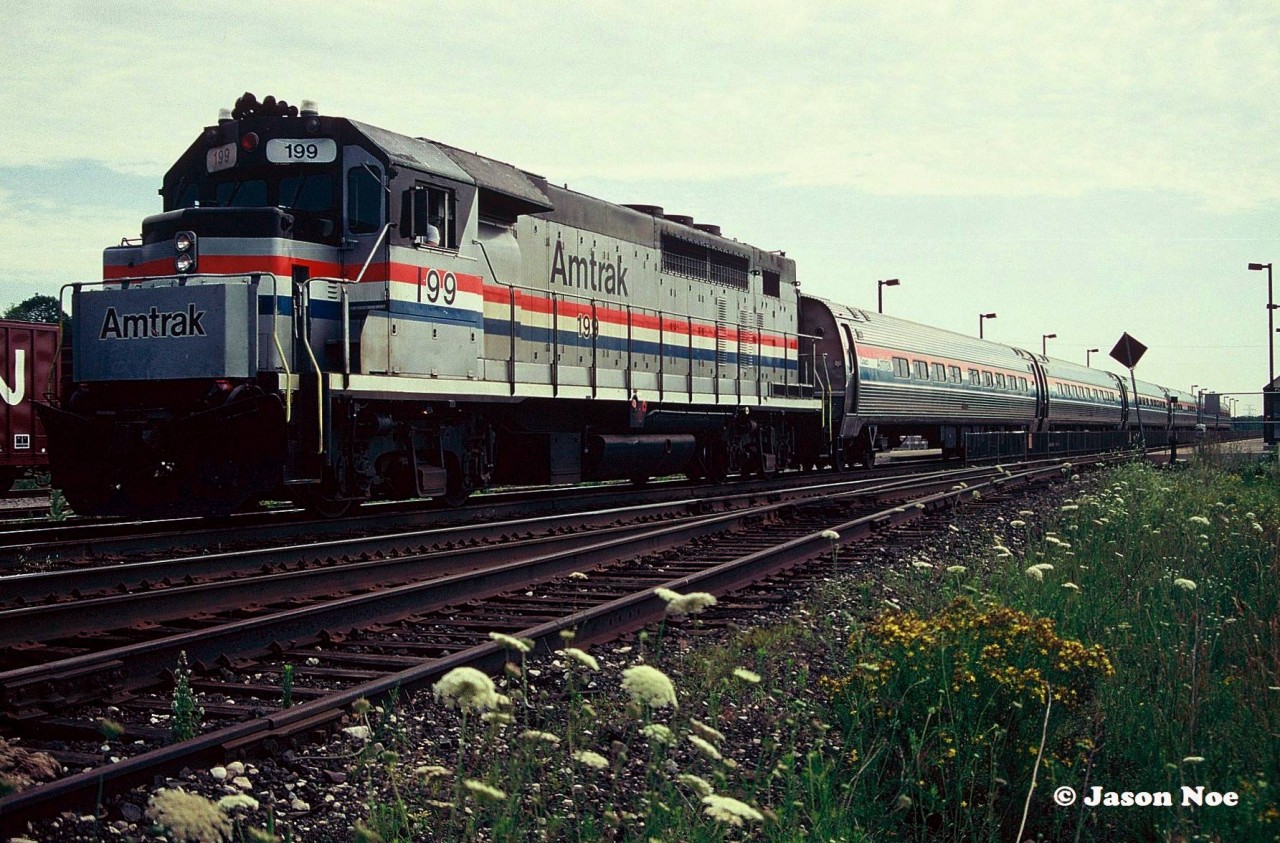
[[1127, 640]]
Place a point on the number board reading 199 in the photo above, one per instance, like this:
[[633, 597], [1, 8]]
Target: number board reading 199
[[302, 151]]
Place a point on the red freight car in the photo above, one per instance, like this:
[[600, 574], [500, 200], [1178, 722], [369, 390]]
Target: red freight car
[[28, 372]]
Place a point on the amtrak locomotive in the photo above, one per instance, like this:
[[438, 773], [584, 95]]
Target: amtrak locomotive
[[333, 312]]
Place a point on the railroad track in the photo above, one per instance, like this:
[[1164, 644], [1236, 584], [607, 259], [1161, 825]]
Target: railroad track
[[365, 643], [75, 542]]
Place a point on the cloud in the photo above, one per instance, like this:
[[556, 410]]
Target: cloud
[[963, 99]]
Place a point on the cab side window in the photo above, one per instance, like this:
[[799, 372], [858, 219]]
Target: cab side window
[[432, 216], [364, 199]]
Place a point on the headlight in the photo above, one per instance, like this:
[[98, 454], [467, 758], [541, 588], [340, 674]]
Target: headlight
[[184, 244]]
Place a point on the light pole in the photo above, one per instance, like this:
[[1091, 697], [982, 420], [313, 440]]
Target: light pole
[[1088, 355], [981, 318], [1044, 343], [880, 285], [1196, 396], [1268, 407], [1271, 324]]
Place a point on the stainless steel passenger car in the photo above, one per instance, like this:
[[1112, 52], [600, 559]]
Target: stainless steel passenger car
[[891, 378], [1081, 397]]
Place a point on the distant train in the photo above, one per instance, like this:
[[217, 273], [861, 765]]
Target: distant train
[[28, 371], [333, 312]]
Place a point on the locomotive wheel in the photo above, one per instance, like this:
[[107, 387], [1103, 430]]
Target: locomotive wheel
[[456, 491], [324, 505]]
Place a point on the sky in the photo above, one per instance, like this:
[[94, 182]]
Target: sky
[[1081, 169]]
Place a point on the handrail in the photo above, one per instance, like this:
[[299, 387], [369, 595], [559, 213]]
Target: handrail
[[284, 361], [306, 342], [372, 251]]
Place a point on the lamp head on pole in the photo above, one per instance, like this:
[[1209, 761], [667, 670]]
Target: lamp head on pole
[[880, 285]]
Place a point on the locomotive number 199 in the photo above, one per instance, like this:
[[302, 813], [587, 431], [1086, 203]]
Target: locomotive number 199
[[302, 150]]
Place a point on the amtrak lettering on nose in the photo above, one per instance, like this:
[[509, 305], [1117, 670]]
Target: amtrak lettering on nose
[[152, 325]]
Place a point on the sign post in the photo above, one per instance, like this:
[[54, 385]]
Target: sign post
[[1127, 353]]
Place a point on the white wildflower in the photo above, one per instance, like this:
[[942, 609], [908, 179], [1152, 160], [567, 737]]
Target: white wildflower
[[520, 645], [956, 569], [237, 800], [592, 759], [189, 816], [708, 732], [686, 604], [830, 535], [1199, 519], [467, 688], [649, 686], [582, 657], [484, 791], [658, 733], [695, 783], [729, 810], [707, 748], [1185, 584], [1071, 586], [535, 735], [746, 675]]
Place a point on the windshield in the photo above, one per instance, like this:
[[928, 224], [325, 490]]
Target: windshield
[[306, 193]]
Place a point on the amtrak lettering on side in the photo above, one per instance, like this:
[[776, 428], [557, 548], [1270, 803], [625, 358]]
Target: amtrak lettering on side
[[152, 325], [589, 274]]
